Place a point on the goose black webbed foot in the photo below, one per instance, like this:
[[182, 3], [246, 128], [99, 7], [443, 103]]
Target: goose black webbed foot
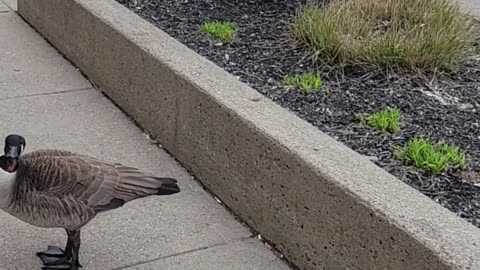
[[54, 258]]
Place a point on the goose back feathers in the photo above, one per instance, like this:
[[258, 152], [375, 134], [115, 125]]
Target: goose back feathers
[[55, 188]]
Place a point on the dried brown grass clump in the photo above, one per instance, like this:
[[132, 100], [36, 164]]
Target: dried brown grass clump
[[427, 35]]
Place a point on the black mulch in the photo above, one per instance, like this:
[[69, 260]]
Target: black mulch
[[445, 109]]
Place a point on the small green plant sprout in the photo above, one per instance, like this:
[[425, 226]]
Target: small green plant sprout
[[422, 154], [307, 82], [224, 31], [385, 120]]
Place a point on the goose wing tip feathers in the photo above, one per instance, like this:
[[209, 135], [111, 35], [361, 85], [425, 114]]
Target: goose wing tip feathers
[[169, 186]]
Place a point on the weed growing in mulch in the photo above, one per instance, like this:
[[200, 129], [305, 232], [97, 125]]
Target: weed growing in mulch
[[429, 35], [421, 153], [385, 120], [307, 82], [224, 31]]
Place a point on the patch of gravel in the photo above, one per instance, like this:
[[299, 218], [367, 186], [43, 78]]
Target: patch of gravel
[[447, 108]]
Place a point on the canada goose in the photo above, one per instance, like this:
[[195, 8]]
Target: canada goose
[[60, 189]]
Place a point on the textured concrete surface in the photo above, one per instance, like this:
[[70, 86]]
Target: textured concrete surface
[[12, 4], [24, 56], [321, 203], [235, 255], [4, 8], [471, 6], [185, 229]]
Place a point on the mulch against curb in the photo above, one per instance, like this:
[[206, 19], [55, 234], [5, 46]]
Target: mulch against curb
[[447, 108]]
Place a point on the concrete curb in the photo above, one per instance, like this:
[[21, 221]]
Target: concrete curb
[[320, 203]]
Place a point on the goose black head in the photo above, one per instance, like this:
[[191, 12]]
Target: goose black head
[[14, 146]]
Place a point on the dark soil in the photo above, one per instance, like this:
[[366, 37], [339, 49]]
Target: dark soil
[[447, 108]]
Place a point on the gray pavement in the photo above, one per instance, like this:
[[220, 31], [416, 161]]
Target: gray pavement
[[471, 6], [12, 4], [47, 100]]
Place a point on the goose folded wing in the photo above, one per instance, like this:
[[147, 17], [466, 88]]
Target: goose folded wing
[[98, 184]]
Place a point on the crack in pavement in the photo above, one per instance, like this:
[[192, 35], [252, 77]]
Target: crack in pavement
[[183, 253], [49, 93]]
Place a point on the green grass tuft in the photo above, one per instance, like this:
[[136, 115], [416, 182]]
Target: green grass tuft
[[224, 31], [386, 120], [422, 154], [307, 82], [426, 35]]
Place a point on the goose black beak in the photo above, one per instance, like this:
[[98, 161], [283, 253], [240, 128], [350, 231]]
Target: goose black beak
[[11, 164], [12, 155]]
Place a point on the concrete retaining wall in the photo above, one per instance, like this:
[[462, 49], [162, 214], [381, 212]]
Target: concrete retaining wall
[[320, 203]]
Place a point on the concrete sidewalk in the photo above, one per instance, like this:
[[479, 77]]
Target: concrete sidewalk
[[45, 98], [471, 6]]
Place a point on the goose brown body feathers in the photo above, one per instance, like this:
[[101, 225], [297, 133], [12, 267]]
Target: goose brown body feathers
[[56, 188], [61, 189]]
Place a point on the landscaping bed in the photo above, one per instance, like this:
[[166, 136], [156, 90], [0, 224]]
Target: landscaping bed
[[444, 108]]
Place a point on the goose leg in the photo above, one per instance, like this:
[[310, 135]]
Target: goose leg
[[55, 258], [75, 237]]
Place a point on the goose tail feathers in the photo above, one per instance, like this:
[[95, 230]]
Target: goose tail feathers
[[135, 184], [169, 186]]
